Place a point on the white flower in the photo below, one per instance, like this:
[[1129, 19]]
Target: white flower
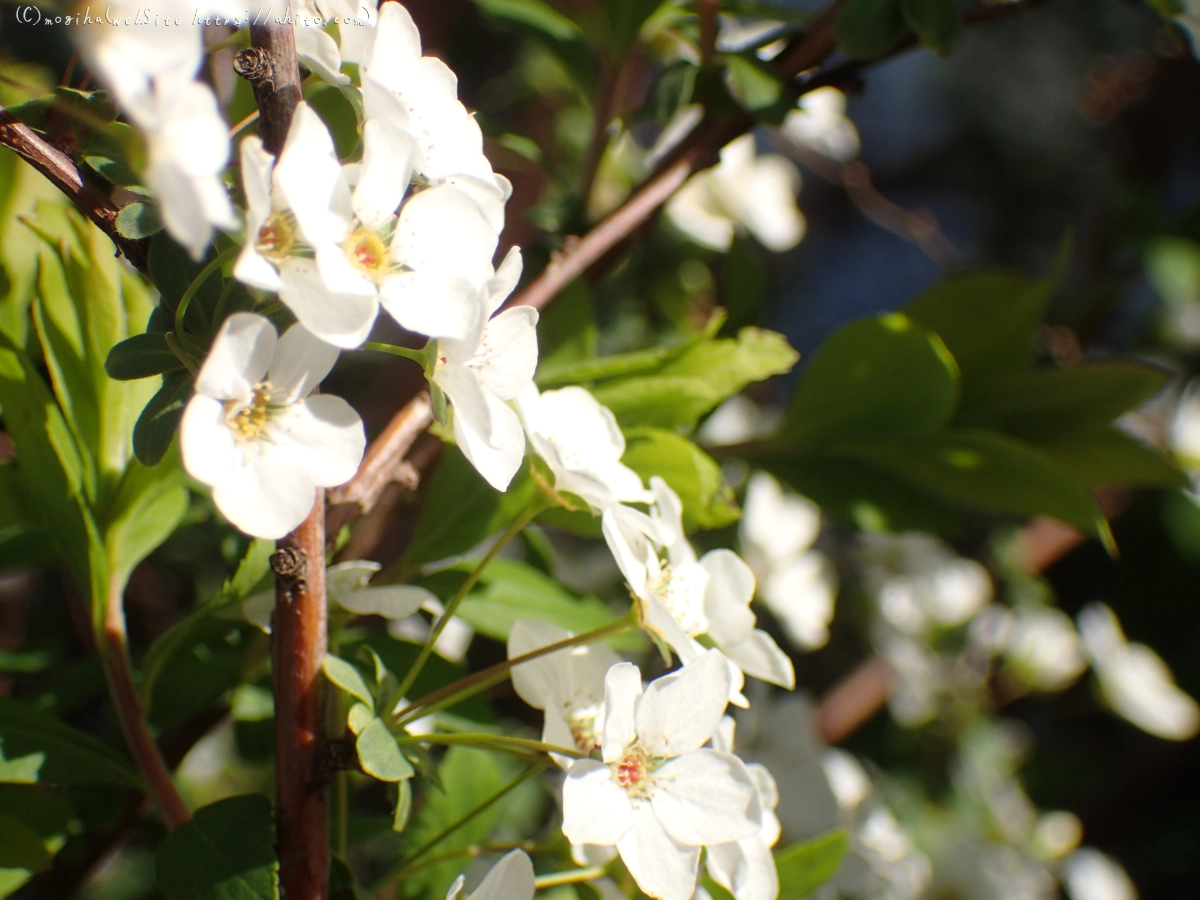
[[567, 685], [316, 50], [1089, 874], [347, 585], [253, 433], [820, 123], [658, 795], [798, 584], [746, 868], [151, 71], [582, 444], [493, 364], [1134, 680], [1044, 649], [420, 94], [187, 149], [509, 879], [1184, 435], [682, 598], [755, 192], [921, 584], [883, 863]]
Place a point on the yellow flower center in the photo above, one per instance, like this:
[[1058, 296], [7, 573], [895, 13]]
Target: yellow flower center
[[248, 421], [277, 238], [632, 772], [681, 591], [367, 251]]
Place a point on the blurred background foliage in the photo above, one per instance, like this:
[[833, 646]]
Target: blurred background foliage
[[1062, 145]]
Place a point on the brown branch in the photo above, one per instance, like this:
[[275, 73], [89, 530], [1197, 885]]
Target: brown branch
[[269, 64], [299, 642], [854, 700], [61, 171], [113, 644], [382, 465]]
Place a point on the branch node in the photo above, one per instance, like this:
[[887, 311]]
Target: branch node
[[255, 65], [290, 564]]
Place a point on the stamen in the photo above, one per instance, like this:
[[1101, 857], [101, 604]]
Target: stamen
[[248, 421], [276, 240]]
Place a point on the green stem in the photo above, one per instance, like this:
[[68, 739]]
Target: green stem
[[473, 850], [180, 354], [423, 657], [407, 865], [417, 356], [198, 282], [480, 681], [574, 876], [499, 742]]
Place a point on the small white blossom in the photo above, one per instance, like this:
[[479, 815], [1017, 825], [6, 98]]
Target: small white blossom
[[658, 795], [820, 123], [1134, 679], [681, 597], [253, 433], [347, 585], [511, 878], [1044, 649], [480, 373], [1089, 874], [798, 583], [746, 868], [567, 685], [582, 444], [921, 584], [744, 190]]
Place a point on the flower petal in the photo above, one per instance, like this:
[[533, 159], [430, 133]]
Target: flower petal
[[622, 691], [240, 355], [434, 303], [745, 868], [268, 496], [387, 170], [504, 282], [395, 602], [706, 797], [207, 443], [324, 435], [508, 352], [318, 52], [727, 598], [509, 879], [595, 809], [758, 655], [679, 712], [343, 320], [301, 362], [661, 867], [498, 456]]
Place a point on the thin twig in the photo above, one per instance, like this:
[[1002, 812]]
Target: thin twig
[[62, 172], [113, 643]]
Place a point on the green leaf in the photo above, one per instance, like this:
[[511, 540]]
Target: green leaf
[[876, 378], [989, 321], [348, 678], [20, 846], [536, 15], [468, 777], [613, 366], [159, 420], [694, 475], [141, 356], [110, 153], [226, 852], [148, 507], [758, 88], [139, 220], [460, 509], [625, 20], [55, 753], [869, 28], [935, 22], [992, 471], [379, 755], [1108, 456], [1058, 402], [857, 492], [806, 865], [509, 590], [698, 379], [403, 806]]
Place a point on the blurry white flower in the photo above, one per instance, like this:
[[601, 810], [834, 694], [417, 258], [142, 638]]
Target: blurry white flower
[[746, 868], [1134, 680], [820, 123], [1056, 834], [567, 685], [848, 779], [920, 583], [738, 419], [316, 50], [798, 584], [1189, 21], [744, 190], [582, 444], [980, 869], [681, 598], [348, 586], [921, 678], [452, 644], [1184, 435], [511, 878], [658, 795], [1089, 874], [253, 433], [493, 364], [883, 863], [420, 94], [1044, 649]]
